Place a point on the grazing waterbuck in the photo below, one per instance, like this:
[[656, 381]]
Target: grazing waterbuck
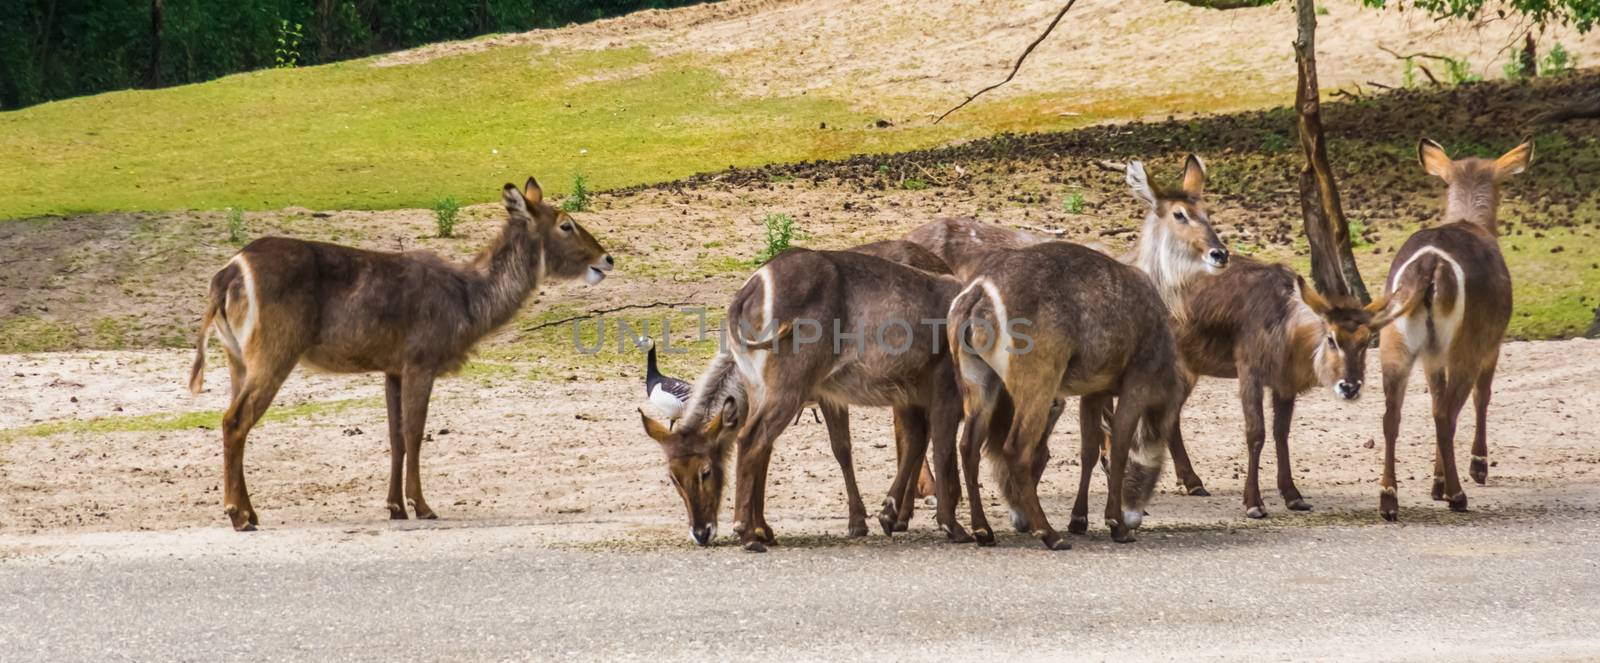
[[412, 316], [1100, 332], [1453, 295], [836, 328]]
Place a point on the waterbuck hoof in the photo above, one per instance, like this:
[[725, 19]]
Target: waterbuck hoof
[[1054, 541], [397, 512], [755, 546], [1390, 516], [765, 535], [1438, 489], [886, 521], [1458, 503], [1198, 491], [427, 515], [1078, 525], [1299, 504], [858, 529], [1388, 505], [984, 537], [956, 534], [1479, 471], [902, 525], [1121, 534], [1255, 512]]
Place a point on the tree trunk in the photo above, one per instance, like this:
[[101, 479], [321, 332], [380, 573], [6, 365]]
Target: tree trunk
[[325, 31], [1333, 265], [152, 76], [1530, 56]]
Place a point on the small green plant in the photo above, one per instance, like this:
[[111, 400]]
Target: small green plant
[[1460, 71], [1358, 228], [1409, 74], [1557, 61], [444, 216], [913, 184], [1274, 142], [1073, 204], [235, 225], [781, 231], [1512, 69], [1322, 11], [286, 54], [578, 200]]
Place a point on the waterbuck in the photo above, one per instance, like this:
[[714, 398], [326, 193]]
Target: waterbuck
[[1455, 295], [833, 327], [1101, 332], [411, 316], [1261, 323], [1177, 245]]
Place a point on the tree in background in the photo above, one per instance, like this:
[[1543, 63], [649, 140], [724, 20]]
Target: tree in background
[[54, 49]]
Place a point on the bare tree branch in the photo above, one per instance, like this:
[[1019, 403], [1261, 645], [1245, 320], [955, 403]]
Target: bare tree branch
[[1015, 67], [601, 311]]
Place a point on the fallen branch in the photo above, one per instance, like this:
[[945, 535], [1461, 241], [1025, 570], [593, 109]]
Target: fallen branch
[[602, 311], [1045, 231], [1585, 108], [1112, 166], [1014, 67]]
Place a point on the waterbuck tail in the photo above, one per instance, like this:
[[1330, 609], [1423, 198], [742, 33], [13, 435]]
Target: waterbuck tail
[[1146, 458], [216, 302]]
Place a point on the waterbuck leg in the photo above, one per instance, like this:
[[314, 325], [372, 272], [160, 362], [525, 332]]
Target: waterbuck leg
[[397, 447], [1447, 404], [944, 418], [974, 430], [1187, 479], [1255, 437], [416, 387], [837, 418], [1479, 468], [250, 401], [1093, 436], [1396, 371], [1027, 429], [1123, 426], [905, 506], [757, 438], [911, 443], [1282, 416]]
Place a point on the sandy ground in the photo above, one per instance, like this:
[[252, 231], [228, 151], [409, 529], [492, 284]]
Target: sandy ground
[[912, 60], [561, 539], [570, 452]]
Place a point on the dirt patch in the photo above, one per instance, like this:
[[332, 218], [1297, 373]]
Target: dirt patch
[[911, 61]]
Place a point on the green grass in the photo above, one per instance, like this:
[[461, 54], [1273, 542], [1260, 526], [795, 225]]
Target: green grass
[[350, 135], [175, 422]]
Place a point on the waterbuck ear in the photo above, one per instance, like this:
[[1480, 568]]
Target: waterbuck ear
[[1381, 315], [655, 429], [1194, 177], [1515, 161], [1311, 297], [532, 192], [1434, 160], [1139, 182], [516, 205], [730, 412]]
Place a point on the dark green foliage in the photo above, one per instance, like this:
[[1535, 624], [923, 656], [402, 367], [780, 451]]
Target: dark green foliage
[[53, 49], [1580, 14]]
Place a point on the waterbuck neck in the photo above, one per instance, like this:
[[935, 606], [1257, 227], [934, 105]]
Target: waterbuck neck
[[507, 276], [1166, 259], [1474, 202], [1306, 334]]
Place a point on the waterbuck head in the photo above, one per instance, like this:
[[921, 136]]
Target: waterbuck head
[[564, 250], [1345, 331], [696, 462], [1474, 184], [1177, 237]]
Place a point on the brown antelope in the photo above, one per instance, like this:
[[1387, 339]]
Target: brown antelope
[[1177, 246], [412, 316], [1456, 295], [834, 327], [671, 396], [1261, 323], [1101, 332]]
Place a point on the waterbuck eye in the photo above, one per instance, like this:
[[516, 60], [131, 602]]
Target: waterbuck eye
[[1180, 216], [566, 227], [705, 473], [1332, 344]]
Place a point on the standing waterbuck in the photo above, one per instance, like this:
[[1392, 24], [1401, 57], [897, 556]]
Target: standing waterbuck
[[1100, 332], [412, 316], [835, 327], [1454, 295]]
